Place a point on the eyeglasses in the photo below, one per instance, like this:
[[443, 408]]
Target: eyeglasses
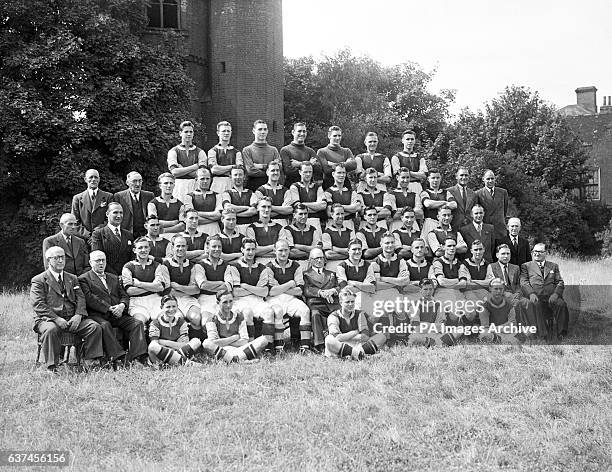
[[55, 258]]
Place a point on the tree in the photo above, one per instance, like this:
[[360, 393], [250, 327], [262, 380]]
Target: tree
[[360, 95], [79, 88]]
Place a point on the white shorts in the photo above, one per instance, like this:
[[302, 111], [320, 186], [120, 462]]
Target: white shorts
[[208, 303], [290, 305], [221, 184], [147, 305], [186, 302], [182, 187], [253, 302]]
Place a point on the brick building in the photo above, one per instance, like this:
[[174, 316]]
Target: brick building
[[594, 126], [235, 57]]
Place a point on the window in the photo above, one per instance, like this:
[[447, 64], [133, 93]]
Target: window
[[163, 13], [591, 188]]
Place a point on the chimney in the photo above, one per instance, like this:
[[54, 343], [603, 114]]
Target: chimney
[[607, 106], [586, 97]]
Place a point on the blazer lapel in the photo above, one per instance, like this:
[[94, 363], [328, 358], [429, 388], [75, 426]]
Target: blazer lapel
[[53, 283]]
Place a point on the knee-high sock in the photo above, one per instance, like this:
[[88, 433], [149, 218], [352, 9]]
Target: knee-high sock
[[373, 344], [189, 349], [167, 355]]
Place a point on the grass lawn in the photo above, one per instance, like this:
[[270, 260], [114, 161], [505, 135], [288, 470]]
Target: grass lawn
[[470, 407]]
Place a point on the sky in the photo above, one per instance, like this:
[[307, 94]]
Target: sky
[[477, 47]]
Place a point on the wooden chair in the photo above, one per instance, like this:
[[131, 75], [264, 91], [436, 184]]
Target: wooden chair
[[67, 340]]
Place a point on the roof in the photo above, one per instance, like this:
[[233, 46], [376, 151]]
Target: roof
[[574, 110]]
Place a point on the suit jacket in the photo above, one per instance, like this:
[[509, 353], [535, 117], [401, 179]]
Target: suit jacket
[[117, 252], [91, 215], [518, 255], [48, 302], [125, 199], [495, 209], [532, 280], [313, 282], [487, 236], [462, 215], [98, 298], [77, 256], [514, 274]]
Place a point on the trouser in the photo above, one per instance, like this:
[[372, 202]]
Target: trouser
[[88, 330], [320, 312], [133, 328]]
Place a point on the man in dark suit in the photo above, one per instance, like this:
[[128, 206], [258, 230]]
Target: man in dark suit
[[89, 207], [465, 198], [477, 230], [75, 249], [542, 283], [59, 304], [116, 243], [321, 294], [134, 202], [107, 303], [519, 246], [494, 200]]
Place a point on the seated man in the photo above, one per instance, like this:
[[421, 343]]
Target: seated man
[[370, 234], [497, 313], [542, 283], [402, 197], [428, 317], [477, 230], [474, 271], [374, 197], [241, 200], [341, 195], [75, 249], [418, 269], [279, 196], [301, 236], [337, 236], [349, 334], [265, 231], [321, 292], [391, 271], [227, 334], [249, 281], [310, 194], [231, 239], [184, 278], [144, 281], [107, 304], [286, 284], [196, 241], [446, 271], [160, 247], [213, 277], [170, 343], [405, 234], [59, 305], [438, 235], [357, 274]]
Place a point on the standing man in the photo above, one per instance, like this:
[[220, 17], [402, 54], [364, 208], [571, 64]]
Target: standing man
[[373, 160], [340, 193], [309, 194], [75, 249], [542, 283], [89, 207], [59, 305], [107, 303], [465, 198], [519, 246], [113, 241], [279, 196], [494, 200], [295, 153], [222, 158], [134, 202], [477, 230], [401, 198], [166, 207], [231, 239], [257, 155], [240, 200], [184, 160], [160, 247], [417, 168], [373, 196], [333, 154]]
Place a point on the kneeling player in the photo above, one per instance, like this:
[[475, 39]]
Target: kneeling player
[[227, 333], [168, 332], [348, 331]]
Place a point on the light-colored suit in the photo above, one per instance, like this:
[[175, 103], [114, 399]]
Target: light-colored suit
[[496, 208], [77, 256], [50, 303], [90, 215], [462, 215]]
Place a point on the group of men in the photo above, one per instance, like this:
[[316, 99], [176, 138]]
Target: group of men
[[289, 236]]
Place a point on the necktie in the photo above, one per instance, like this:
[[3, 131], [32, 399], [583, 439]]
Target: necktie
[[514, 242], [103, 279], [117, 234], [464, 196], [479, 228], [492, 193], [61, 284], [506, 278], [93, 196]]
